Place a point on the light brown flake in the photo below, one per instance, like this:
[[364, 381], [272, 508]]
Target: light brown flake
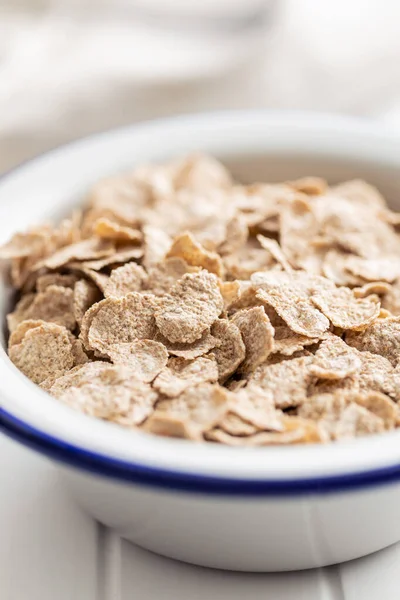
[[298, 227], [346, 311], [255, 406], [201, 173], [146, 358], [167, 425], [156, 245], [391, 217], [234, 385], [357, 421], [380, 288], [392, 300], [247, 260], [85, 295], [123, 196], [75, 377], [380, 405], [377, 374], [312, 186], [44, 351], [164, 275], [325, 408], [270, 226], [276, 252], [78, 351], [334, 359], [384, 314], [297, 431], [16, 317], [298, 313], [205, 216], [34, 242], [81, 251], [110, 392], [355, 227], [92, 216], [361, 193], [385, 268], [22, 328], [230, 351], [107, 229], [290, 296], [190, 351], [287, 343], [258, 336], [181, 374], [196, 410], [43, 281], [236, 426], [55, 305], [193, 304], [21, 275], [248, 299], [87, 322], [260, 202], [123, 255], [347, 414], [334, 268], [128, 278], [380, 337], [286, 381], [236, 235], [121, 320], [185, 246], [392, 387], [69, 230], [230, 291], [330, 386], [305, 284], [246, 296], [99, 279]]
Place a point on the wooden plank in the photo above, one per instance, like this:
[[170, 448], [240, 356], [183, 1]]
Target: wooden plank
[[146, 576], [372, 577], [47, 545]]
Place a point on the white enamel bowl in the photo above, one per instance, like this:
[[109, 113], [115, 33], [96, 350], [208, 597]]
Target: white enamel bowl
[[260, 509]]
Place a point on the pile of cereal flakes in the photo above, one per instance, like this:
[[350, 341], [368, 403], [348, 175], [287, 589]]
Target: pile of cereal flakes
[[184, 304]]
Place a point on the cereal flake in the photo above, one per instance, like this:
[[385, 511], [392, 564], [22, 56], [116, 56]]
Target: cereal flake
[[44, 351], [193, 304], [181, 374], [230, 350], [258, 336], [128, 278]]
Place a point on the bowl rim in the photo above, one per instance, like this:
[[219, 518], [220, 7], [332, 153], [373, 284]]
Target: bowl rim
[[109, 450], [100, 465]]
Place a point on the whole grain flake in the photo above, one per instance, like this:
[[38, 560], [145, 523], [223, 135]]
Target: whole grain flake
[[184, 304], [192, 306]]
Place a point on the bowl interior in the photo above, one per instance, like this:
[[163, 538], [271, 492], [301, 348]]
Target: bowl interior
[[256, 147], [276, 168]]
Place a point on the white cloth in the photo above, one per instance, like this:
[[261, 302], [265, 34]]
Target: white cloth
[[65, 72]]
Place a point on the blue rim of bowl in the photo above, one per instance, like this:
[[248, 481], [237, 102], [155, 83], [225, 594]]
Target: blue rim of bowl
[[129, 472]]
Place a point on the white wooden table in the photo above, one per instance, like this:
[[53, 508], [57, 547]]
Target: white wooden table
[[50, 550]]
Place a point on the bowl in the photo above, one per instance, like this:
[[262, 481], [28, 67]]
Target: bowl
[[254, 509]]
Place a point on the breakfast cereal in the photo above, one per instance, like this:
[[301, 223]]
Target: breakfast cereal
[[185, 304]]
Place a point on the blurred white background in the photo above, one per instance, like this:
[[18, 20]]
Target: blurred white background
[[71, 67]]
